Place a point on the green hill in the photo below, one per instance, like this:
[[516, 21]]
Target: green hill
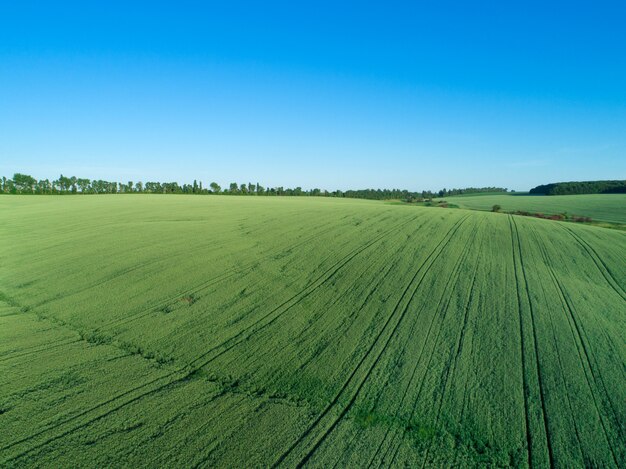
[[245, 331], [609, 208]]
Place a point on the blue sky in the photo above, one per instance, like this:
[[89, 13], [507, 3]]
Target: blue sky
[[417, 95]]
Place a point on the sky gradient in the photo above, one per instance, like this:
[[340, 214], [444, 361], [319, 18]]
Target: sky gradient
[[415, 95]]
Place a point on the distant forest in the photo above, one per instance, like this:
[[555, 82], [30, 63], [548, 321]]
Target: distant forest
[[582, 187], [25, 184]]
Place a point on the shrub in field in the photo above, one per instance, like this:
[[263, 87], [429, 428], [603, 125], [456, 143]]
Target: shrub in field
[[189, 299]]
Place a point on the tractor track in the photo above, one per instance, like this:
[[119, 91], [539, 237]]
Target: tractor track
[[540, 382], [600, 264], [525, 385], [425, 267], [446, 295], [577, 335]]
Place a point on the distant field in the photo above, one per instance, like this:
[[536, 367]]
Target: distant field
[[195, 331], [600, 207]]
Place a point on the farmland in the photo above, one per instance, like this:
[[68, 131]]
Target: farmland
[[198, 331], [600, 207]]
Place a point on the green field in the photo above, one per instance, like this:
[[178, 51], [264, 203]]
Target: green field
[[609, 208], [193, 331]]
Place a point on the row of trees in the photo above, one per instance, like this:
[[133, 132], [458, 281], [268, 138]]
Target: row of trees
[[581, 187], [470, 190], [26, 184]]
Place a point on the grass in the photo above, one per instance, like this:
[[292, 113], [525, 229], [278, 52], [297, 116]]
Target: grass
[[243, 331], [607, 208]]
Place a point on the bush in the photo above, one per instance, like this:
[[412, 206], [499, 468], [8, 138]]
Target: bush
[[496, 208]]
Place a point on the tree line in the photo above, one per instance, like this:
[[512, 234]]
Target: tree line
[[26, 184], [580, 187]]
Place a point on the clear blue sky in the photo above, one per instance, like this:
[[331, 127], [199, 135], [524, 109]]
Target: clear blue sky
[[417, 95]]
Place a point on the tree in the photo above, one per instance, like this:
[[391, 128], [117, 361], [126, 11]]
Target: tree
[[171, 188], [581, 187], [44, 186], [496, 208], [83, 184], [154, 187], [9, 187], [24, 182], [234, 188], [64, 183], [215, 187]]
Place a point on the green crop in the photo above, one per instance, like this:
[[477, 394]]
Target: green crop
[[248, 331]]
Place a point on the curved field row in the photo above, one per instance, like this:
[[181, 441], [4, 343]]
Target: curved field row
[[152, 331]]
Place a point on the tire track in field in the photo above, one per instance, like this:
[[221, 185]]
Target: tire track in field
[[158, 460], [56, 344], [466, 394], [421, 386], [204, 401], [13, 313], [577, 323], [344, 453], [176, 376], [451, 368], [183, 376], [215, 445], [39, 347], [227, 274], [444, 310], [354, 371], [375, 284], [525, 385], [536, 349], [424, 268], [373, 287], [597, 259], [577, 336], [102, 281], [300, 338], [560, 362], [336, 422], [91, 420], [578, 340], [115, 275], [286, 305], [444, 299]]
